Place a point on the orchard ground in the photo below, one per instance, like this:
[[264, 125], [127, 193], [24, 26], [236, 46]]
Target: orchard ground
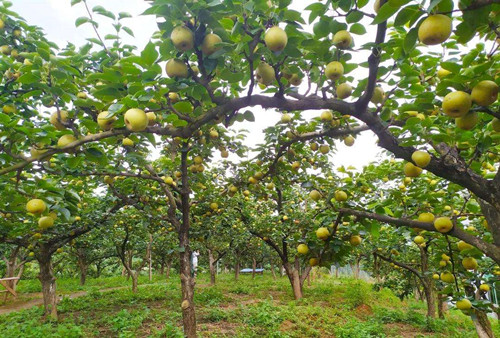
[[259, 307]]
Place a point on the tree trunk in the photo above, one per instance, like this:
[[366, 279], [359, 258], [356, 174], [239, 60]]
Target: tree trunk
[[237, 270], [12, 266], [162, 267], [254, 266], [211, 264], [441, 306], [124, 271], [169, 264], [272, 270], [482, 324], [48, 282], [135, 277], [430, 299], [282, 270], [187, 285], [294, 278], [83, 266], [150, 257]]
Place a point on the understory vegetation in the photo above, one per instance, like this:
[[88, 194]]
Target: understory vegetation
[[259, 307]]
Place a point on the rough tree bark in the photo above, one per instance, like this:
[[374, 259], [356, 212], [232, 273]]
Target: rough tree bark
[[211, 265], [48, 281], [237, 269], [482, 324], [187, 280], [272, 270]]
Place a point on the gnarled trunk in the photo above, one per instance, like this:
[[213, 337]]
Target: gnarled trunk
[[482, 324], [48, 282], [294, 278]]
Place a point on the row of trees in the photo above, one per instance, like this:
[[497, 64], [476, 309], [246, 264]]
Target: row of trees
[[78, 125]]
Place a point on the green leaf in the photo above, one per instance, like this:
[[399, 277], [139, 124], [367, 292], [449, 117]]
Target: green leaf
[[74, 162], [358, 29], [184, 107], [149, 54], [354, 16], [28, 78], [406, 14], [123, 15], [74, 2], [81, 20], [128, 31], [410, 40], [248, 115], [321, 28], [385, 12]]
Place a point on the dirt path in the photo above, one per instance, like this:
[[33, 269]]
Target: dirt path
[[38, 300]]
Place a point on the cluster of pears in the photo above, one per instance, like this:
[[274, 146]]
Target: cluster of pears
[[458, 104], [37, 207], [183, 40], [421, 159]]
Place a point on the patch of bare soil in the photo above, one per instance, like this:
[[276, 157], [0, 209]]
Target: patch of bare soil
[[222, 328], [363, 311], [403, 330], [286, 326]]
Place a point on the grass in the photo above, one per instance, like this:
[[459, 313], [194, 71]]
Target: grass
[[259, 307]]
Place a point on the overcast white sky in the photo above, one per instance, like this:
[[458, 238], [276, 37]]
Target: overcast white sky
[[57, 18]]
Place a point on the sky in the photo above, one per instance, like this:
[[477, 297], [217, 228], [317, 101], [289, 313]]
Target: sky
[[57, 18]]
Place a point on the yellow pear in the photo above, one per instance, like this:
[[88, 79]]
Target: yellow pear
[[447, 277], [468, 121], [484, 287], [55, 121], [435, 29], [276, 39], [64, 140], [485, 93], [324, 149], [344, 90], [355, 240], [176, 68], [349, 141], [105, 122], [326, 116], [127, 142], [9, 109], [342, 39], [322, 233], [419, 240], [340, 196], [443, 224], [36, 206], [464, 304], [421, 158], [209, 44], [313, 262], [265, 74], [302, 249], [182, 38], [315, 195], [334, 70], [136, 119], [441, 73], [151, 118], [378, 95], [412, 170], [45, 222], [469, 263], [456, 104], [464, 246], [495, 124], [286, 118]]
